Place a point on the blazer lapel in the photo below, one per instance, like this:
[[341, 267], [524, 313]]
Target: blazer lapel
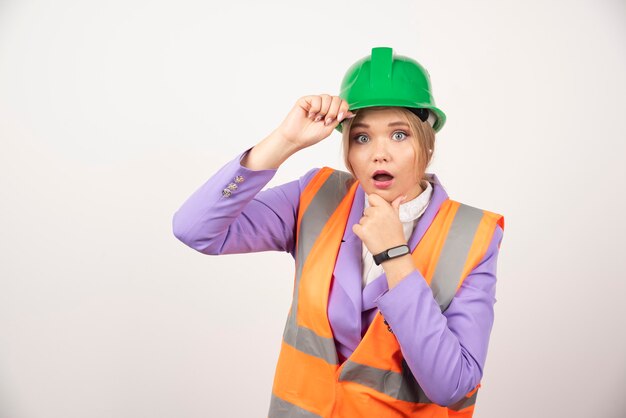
[[348, 267]]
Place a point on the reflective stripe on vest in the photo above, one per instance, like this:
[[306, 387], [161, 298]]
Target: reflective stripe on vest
[[309, 382], [454, 254], [332, 190], [280, 408]]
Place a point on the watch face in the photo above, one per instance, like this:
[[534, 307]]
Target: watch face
[[395, 252]]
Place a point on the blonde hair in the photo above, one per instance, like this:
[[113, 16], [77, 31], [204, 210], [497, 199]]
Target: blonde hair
[[422, 132]]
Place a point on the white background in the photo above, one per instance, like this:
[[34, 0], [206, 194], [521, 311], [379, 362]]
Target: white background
[[113, 113]]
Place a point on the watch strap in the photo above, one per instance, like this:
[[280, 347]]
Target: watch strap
[[392, 252]]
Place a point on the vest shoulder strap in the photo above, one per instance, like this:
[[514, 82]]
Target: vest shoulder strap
[[465, 245], [323, 193], [328, 180]]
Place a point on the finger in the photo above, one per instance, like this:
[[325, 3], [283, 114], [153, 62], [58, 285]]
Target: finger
[[333, 110], [376, 200], [326, 100], [344, 112], [316, 105], [305, 102], [397, 201]]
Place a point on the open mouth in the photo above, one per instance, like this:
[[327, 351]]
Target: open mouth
[[382, 179]]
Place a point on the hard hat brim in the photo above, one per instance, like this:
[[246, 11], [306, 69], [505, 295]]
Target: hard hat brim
[[441, 117]]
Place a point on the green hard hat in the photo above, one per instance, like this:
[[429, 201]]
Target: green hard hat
[[385, 79]]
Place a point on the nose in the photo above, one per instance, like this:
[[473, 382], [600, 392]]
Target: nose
[[380, 152]]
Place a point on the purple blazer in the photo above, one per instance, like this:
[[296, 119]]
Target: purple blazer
[[445, 351]]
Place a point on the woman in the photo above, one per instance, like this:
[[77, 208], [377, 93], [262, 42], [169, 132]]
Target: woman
[[395, 282]]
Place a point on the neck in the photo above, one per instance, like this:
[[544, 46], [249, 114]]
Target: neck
[[416, 192]]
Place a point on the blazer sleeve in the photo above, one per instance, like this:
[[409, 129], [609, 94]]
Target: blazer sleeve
[[446, 352], [244, 218]]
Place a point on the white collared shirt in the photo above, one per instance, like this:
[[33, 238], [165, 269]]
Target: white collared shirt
[[409, 214]]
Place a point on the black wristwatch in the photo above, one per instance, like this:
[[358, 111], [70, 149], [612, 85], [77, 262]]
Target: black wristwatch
[[393, 252]]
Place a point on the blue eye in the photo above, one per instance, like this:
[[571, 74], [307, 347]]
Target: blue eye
[[400, 132], [357, 137]]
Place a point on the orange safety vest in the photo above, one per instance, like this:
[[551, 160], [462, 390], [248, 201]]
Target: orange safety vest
[[374, 381]]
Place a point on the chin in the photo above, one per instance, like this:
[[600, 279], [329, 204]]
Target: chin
[[388, 195]]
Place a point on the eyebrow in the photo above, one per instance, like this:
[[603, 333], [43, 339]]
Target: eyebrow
[[364, 125]]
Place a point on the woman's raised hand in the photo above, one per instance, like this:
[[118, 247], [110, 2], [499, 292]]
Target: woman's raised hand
[[313, 118], [304, 126]]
